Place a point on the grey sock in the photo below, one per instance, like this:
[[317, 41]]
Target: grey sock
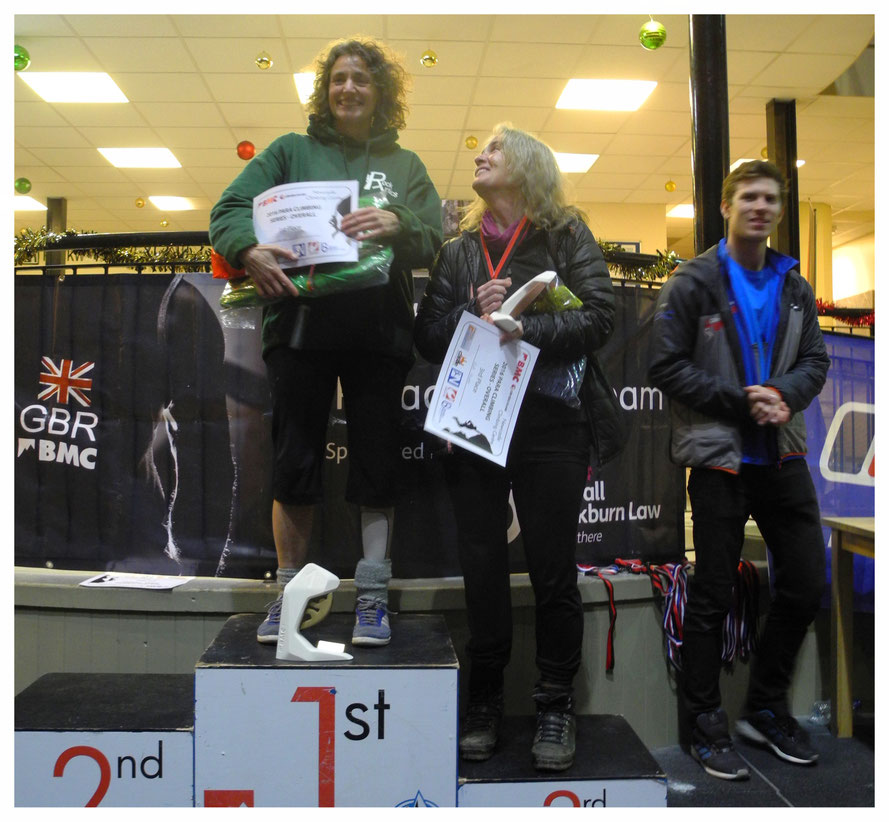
[[284, 575], [372, 578]]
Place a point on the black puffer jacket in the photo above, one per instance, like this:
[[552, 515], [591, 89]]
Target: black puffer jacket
[[573, 254]]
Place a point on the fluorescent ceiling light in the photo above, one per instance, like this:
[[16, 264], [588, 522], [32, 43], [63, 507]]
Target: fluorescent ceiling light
[[685, 211], [140, 157], [172, 203], [575, 163], [23, 203], [305, 85], [74, 86], [605, 95]]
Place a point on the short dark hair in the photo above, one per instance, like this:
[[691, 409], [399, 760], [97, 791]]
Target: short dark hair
[[388, 76], [751, 171]]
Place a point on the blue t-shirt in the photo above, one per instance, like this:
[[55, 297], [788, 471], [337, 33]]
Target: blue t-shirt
[[756, 307]]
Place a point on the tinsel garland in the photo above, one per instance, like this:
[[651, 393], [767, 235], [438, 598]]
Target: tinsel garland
[[858, 317], [29, 244]]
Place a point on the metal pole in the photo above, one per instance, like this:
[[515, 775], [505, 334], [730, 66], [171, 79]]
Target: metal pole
[[781, 133], [56, 222], [708, 89]]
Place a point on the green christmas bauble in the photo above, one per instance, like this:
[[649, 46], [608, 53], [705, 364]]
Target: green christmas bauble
[[22, 58], [652, 35], [23, 185]]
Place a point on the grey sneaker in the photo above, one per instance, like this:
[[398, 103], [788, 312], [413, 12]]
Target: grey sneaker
[[480, 728], [371, 622], [712, 747], [316, 610], [553, 748], [268, 629], [780, 733]]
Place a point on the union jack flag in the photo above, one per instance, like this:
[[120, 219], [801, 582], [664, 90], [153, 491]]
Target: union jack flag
[[64, 380]]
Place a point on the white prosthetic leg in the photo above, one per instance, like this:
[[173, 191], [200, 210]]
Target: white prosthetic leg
[[310, 583]]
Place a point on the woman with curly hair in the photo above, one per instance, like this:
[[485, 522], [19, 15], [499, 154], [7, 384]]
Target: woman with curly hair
[[519, 227], [357, 106]]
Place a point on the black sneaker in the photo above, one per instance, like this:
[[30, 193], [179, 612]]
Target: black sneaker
[[480, 728], [553, 748], [782, 734], [712, 747]]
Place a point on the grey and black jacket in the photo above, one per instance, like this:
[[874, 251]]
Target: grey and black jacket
[[696, 361], [573, 254]]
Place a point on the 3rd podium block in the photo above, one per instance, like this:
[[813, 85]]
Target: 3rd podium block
[[377, 730]]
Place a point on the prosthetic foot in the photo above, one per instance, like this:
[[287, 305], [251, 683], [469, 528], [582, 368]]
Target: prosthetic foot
[[310, 590]]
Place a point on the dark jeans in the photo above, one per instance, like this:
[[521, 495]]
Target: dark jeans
[[783, 503], [547, 470]]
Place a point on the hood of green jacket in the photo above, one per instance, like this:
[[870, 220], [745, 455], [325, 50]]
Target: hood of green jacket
[[326, 134]]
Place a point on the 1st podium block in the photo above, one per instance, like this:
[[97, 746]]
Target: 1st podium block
[[377, 730]]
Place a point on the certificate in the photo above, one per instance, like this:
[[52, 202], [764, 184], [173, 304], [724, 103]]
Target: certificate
[[480, 388], [306, 218]]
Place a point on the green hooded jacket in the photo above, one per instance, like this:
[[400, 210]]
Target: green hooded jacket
[[377, 319]]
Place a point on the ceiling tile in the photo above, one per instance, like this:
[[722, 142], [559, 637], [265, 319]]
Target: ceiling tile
[[152, 87], [130, 25], [283, 116], [437, 28], [58, 54], [537, 60], [543, 28], [133, 54], [185, 114]]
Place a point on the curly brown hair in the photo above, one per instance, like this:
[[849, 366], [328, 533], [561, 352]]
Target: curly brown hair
[[389, 76]]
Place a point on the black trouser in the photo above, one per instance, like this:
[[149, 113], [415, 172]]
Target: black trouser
[[783, 503], [547, 470]]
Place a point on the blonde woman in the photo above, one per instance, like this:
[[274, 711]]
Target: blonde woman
[[518, 227]]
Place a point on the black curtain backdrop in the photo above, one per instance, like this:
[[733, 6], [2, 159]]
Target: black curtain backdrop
[[156, 458]]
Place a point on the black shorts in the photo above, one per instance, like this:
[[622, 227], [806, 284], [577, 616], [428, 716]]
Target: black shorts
[[303, 385]]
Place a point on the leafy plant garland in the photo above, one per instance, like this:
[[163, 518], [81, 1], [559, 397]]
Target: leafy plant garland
[[30, 243]]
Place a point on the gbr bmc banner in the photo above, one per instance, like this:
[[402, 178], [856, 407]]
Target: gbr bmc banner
[[142, 442]]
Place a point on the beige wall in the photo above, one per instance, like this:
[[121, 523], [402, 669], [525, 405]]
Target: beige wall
[[853, 268], [629, 222]]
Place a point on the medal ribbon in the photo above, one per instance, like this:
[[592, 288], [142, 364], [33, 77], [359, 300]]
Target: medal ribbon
[[516, 236]]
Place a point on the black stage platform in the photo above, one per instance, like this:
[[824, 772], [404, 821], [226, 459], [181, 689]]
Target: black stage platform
[[106, 702], [842, 777], [421, 641], [607, 748]]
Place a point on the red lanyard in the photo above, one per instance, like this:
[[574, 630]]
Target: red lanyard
[[519, 231]]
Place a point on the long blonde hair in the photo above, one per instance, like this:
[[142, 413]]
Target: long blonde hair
[[533, 168]]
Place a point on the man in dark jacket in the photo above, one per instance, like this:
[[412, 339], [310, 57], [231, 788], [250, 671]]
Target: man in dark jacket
[[737, 347]]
